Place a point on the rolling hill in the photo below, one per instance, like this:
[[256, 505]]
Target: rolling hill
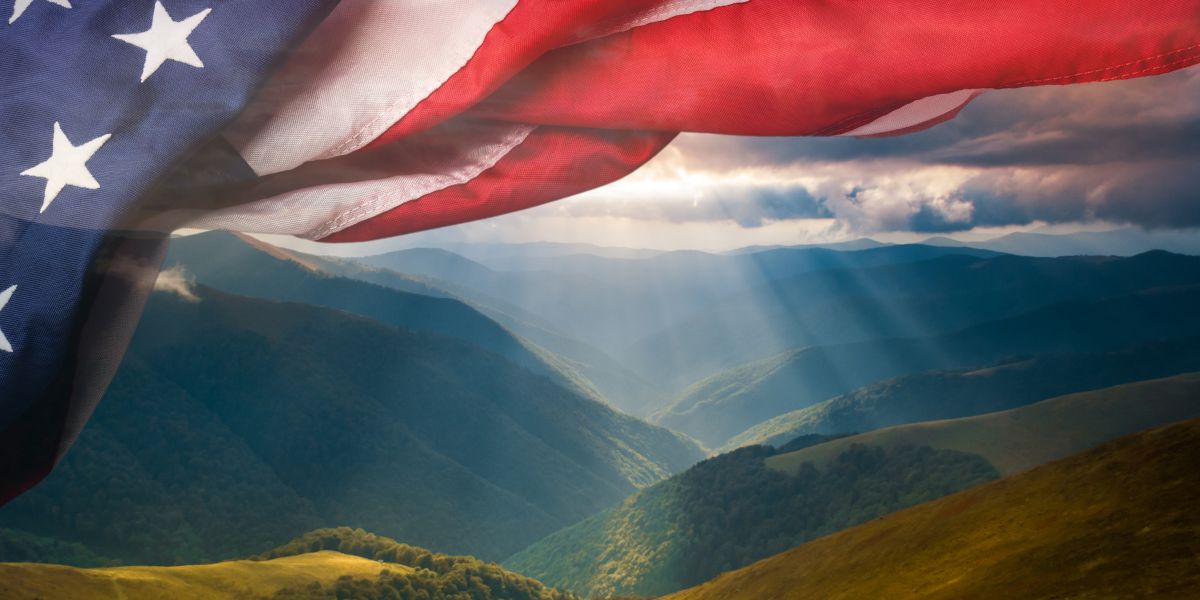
[[326, 563], [734, 509], [237, 423], [964, 392], [1118, 521], [1021, 438], [724, 405], [231, 579]]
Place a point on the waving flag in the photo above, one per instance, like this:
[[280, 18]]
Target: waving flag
[[364, 119]]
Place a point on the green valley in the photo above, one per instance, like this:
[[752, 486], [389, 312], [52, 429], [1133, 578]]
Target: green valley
[[238, 423]]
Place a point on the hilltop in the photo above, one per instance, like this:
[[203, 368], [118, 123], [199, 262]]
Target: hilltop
[[325, 563]]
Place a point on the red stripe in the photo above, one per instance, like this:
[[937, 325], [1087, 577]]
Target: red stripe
[[551, 163], [782, 67]]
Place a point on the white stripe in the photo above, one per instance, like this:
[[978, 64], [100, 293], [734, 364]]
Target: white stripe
[[319, 211], [914, 113], [364, 67], [667, 9]]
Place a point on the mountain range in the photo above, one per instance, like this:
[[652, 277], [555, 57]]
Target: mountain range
[[725, 404], [667, 321], [947, 394], [236, 423]]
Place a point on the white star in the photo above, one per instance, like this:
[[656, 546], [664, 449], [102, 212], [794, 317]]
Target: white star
[[4, 296], [67, 165], [166, 40], [19, 7]]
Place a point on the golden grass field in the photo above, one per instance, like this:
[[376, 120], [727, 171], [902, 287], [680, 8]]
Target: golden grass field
[[1022, 438], [238, 579], [1119, 521]]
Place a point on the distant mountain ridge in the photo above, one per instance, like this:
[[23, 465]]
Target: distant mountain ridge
[[906, 299], [726, 404], [1021, 438], [1116, 242], [934, 395], [614, 303]]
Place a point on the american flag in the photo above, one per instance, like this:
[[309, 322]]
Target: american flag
[[354, 120]]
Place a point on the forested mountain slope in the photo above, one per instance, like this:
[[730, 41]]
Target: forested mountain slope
[[1119, 521], [237, 423]]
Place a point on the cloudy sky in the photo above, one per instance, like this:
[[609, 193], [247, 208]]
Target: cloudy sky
[[1056, 158]]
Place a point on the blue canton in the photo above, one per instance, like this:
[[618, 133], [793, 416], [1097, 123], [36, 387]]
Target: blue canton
[[98, 100]]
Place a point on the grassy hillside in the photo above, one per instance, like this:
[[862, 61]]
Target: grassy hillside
[[1119, 521], [232, 579], [1021, 438], [726, 404], [235, 424], [732, 510], [329, 563], [964, 392]]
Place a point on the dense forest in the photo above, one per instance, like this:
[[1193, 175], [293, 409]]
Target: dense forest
[[731, 510], [436, 576]]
